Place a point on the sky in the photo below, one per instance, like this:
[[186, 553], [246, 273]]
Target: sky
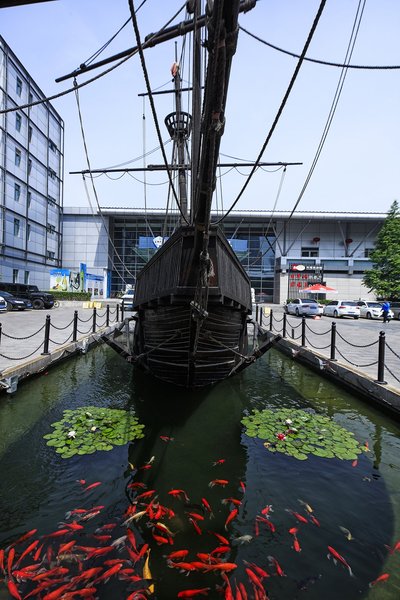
[[358, 168]]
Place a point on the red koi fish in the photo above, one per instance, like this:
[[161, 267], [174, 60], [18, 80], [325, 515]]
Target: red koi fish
[[74, 526], [221, 538], [178, 494], [82, 593], [145, 494], [110, 572], [10, 560], [92, 486], [196, 516], [395, 547], [102, 538], [100, 551], [81, 481], [38, 552], [223, 567], [293, 530], [207, 558], [267, 522], [12, 588], [207, 507], [29, 549], [55, 594], [135, 485], [338, 557], [160, 539], [56, 572], [299, 517], [261, 573], [234, 501], [296, 544], [221, 482], [24, 537], [57, 533], [220, 550], [166, 438], [106, 527], [243, 486], [265, 511], [66, 547], [177, 554], [278, 568], [315, 521], [193, 593], [2, 559], [219, 462], [254, 579], [182, 566], [195, 525], [232, 515], [354, 463], [88, 574], [383, 577]]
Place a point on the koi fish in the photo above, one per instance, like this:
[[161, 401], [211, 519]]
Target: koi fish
[[38, 552], [145, 494], [220, 550], [66, 547], [57, 533], [234, 501], [165, 529], [306, 506], [57, 571], [383, 577], [193, 593], [261, 573], [219, 462], [119, 541], [293, 530], [178, 494], [177, 554], [81, 481], [298, 516], [354, 463], [254, 579], [296, 545], [136, 484], [243, 486], [221, 538], [267, 522], [92, 486], [207, 507], [102, 538], [74, 526], [106, 527], [196, 516], [232, 515], [88, 574], [338, 557], [160, 539], [12, 588], [27, 551], [147, 573], [195, 525], [23, 537], [265, 511], [221, 482], [315, 521], [243, 539], [55, 594], [347, 533], [100, 551], [2, 559], [109, 572], [182, 566], [395, 547], [10, 560], [223, 567], [82, 593], [278, 568], [166, 438]]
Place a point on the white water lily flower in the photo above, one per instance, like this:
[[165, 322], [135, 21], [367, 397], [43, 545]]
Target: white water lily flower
[[94, 428], [72, 434], [288, 422]]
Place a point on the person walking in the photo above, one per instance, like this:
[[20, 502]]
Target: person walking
[[385, 311]]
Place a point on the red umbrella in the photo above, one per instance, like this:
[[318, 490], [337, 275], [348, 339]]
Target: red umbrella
[[318, 288]]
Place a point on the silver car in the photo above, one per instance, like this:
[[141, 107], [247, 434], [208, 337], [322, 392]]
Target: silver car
[[372, 310], [342, 308], [302, 306]]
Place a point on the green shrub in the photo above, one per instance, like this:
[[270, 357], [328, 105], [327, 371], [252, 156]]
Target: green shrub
[[83, 296]]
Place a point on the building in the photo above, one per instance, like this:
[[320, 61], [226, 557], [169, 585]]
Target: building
[[31, 177], [332, 247]]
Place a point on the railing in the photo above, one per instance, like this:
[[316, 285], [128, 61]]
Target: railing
[[95, 321], [300, 332]]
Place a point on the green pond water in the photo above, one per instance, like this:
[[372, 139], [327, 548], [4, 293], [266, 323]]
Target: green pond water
[[191, 440]]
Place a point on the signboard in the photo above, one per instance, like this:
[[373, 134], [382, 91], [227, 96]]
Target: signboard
[[302, 276]]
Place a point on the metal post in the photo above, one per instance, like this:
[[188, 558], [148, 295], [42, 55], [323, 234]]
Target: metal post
[[257, 313], [261, 316], [270, 320], [117, 313], [1, 329], [122, 311], [94, 320], [284, 325], [333, 341], [303, 331], [108, 315], [75, 330], [381, 358], [46, 336]]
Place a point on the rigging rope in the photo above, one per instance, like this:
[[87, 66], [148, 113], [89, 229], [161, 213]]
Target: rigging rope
[[152, 105], [279, 113]]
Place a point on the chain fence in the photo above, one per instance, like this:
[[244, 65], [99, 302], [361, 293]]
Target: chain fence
[[374, 349], [109, 316]]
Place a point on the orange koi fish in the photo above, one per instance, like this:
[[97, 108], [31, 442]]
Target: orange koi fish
[[182, 566], [111, 571], [66, 547], [207, 558], [24, 537], [232, 515], [278, 568], [299, 517], [338, 557], [221, 482], [178, 494], [265, 511], [243, 486], [383, 577], [221, 550], [57, 571], [10, 560], [74, 526], [296, 545], [145, 494], [100, 551], [219, 462], [195, 525], [254, 579], [196, 516], [92, 486], [207, 507], [193, 593], [160, 539], [57, 533], [261, 573], [231, 501], [223, 567], [55, 594], [102, 538], [36, 556], [221, 538], [27, 551], [177, 554], [12, 588]]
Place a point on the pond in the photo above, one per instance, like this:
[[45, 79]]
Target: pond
[[291, 528]]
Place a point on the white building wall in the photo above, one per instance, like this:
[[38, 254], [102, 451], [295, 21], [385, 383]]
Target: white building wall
[[85, 240]]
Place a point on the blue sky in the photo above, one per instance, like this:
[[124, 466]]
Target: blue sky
[[359, 165]]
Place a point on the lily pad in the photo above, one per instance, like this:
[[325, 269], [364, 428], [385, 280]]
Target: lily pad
[[94, 429], [299, 433]]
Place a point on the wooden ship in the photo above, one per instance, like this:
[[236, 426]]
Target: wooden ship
[[193, 298]]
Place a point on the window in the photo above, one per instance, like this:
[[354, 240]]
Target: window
[[28, 237], [52, 146], [17, 224], [51, 255], [18, 87], [29, 166], [17, 192], [17, 158], [15, 275], [30, 133], [51, 228], [26, 277], [30, 97], [367, 252], [29, 198], [309, 252], [52, 174], [18, 122], [51, 200]]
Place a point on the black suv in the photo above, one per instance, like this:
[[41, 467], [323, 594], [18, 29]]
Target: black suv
[[30, 292]]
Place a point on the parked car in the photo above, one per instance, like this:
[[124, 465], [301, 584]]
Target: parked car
[[3, 304], [372, 310], [395, 308], [127, 299], [13, 303], [342, 308], [29, 292], [302, 306]]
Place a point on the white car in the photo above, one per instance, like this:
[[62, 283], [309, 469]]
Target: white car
[[372, 310], [127, 298], [303, 306], [342, 308]]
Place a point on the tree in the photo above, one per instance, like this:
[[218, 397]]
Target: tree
[[384, 277]]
